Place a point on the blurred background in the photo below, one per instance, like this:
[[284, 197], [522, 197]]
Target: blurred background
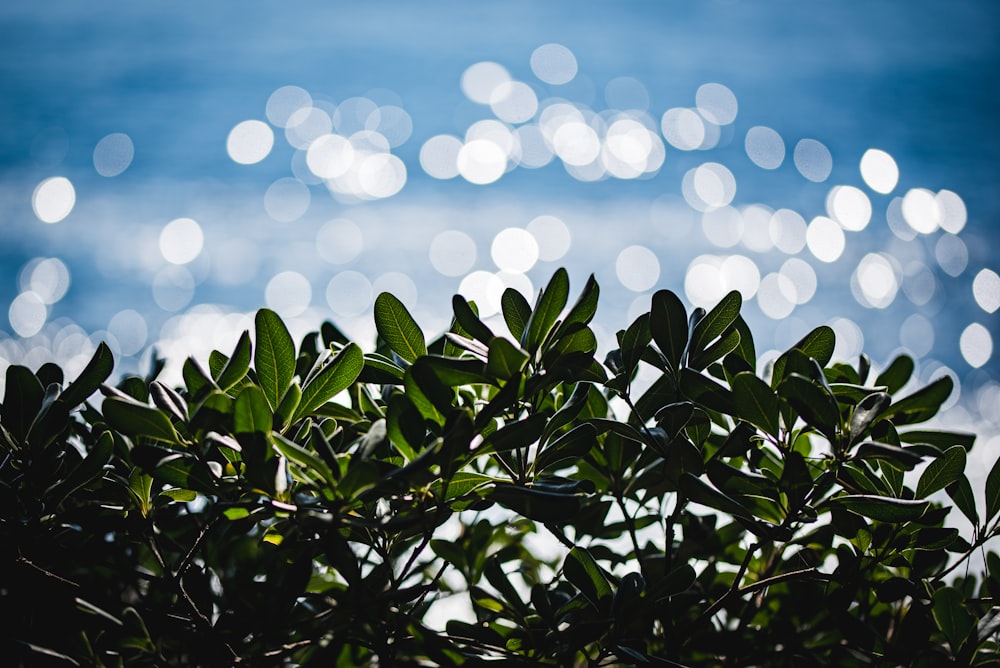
[[167, 169]]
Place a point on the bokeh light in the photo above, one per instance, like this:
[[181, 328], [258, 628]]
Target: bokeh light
[[349, 293], [284, 102], [452, 252], [879, 170], [53, 199], [514, 250], [875, 281], [181, 241], [130, 330], [113, 154], [976, 345], [439, 156], [339, 241], [485, 289], [850, 207], [813, 160], [249, 142], [764, 147], [27, 314], [287, 199], [480, 81], [554, 64], [552, 236], [48, 278], [986, 290], [825, 239], [716, 103], [288, 293], [916, 334]]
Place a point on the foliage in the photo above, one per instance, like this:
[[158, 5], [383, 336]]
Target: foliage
[[311, 505]]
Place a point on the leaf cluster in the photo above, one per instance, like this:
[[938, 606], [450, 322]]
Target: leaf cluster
[[315, 504]]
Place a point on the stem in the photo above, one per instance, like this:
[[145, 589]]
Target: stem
[[630, 525], [735, 588]]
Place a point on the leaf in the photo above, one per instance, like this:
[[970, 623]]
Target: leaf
[[96, 372], [380, 370], [729, 342], [169, 400], [705, 392], [632, 343], [882, 508], [22, 401], [519, 434], [818, 344], [134, 419], [548, 306], [584, 308], [195, 379], [715, 324], [896, 375], [542, 506], [516, 312], [941, 472], [866, 412], [251, 412], [336, 376], [699, 491], [304, 458], [505, 359], [922, 405], [570, 447], [405, 426], [469, 321], [992, 492], [237, 366], [584, 573], [812, 402], [88, 470], [398, 328], [960, 492], [274, 358], [901, 459], [669, 327], [951, 616], [756, 403]]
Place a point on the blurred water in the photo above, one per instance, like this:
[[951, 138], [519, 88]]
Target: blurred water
[[133, 106]]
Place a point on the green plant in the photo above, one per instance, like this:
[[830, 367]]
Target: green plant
[[309, 505]]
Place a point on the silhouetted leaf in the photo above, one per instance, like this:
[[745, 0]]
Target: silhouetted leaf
[[818, 344], [941, 472], [960, 492], [632, 342], [866, 412], [882, 508], [584, 573], [22, 400], [336, 376], [756, 403], [951, 616], [922, 405], [398, 328], [901, 459], [715, 324], [668, 326], [547, 507], [134, 419], [817, 407], [516, 312], [897, 374], [583, 310], [519, 434], [96, 372], [547, 308], [237, 366], [469, 321]]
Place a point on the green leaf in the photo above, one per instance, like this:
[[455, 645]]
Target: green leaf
[[336, 376], [274, 358], [455, 372], [251, 412], [882, 508], [584, 308], [705, 392], [941, 472], [922, 405], [237, 366], [96, 372], [548, 306], [542, 506], [729, 342], [516, 312], [756, 403], [380, 370], [746, 348], [195, 379], [304, 458], [405, 426], [896, 375], [469, 321], [505, 359], [716, 323], [951, 616], [901, 459], [960, 492], [699, 491], [570, 447], [812, 402], [518, 434], [866, 412], [584, 573], [669, 327], [818, 344], [134, 419], [941, 440], [88, 470], [22, 401], [632, 343], [992, 492], [398, 328]]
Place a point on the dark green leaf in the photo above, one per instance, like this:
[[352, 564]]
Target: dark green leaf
[[134, 419], [941, 472], [381, 370], [729, 342], [812, 402], [547, 507], [632, 343], [583, 310], [22, 400], [405, 426], [96, 372], [518, 434], [274, 358], [668, 326], [251, 412], [336, 376], [896, 375], [237, 366], [951, 616], [398, 328], [756, 403], [308, 460], [569, 447], [960, 492], [941, 440], [548, 306], [169, 400], [453, 372], [584, 573], [516, 312], [88, 470], [992, 492], [818, 344], [902, 459], [922, 405], [866, 412], [882, 508], [746, 348], [715, 324], [572, 407], [699, 491], [469, 321], [705, 392]]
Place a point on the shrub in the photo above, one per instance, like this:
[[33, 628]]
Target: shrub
[[312, 505]]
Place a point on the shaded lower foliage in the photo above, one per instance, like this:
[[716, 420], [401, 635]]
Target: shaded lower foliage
[[318, 505]]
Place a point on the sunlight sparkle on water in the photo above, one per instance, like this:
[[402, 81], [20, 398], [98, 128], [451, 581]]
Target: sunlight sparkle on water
[[514, 250], [554, 64], [875, 282], [764, 147], [452, 253], [181, 241], [825, 238], [113, 154], [288, 294], [879, 171], [986, 290], [976, 345], [46, 277], [552, 235], [53, 199], [249, 142], [850, 207], [349, 293], [813, 160], [479, 81], [637, 268]]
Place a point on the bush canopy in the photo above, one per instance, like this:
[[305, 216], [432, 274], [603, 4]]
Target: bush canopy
[[486, 496]]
